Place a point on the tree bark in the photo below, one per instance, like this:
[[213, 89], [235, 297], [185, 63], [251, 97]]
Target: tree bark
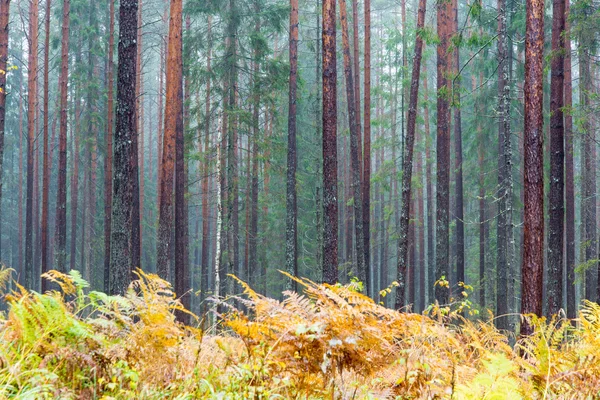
[[46, 164], [31, 128], [205, 179], [354, 150], [458, 163], [125, 152], [557, 157], [533, 251], [291, 233], [4, 21], [366, 178], [444, 68], [330, 222], [175, 83], [569, 174], [108, 161], [408, 163], [173, 99]]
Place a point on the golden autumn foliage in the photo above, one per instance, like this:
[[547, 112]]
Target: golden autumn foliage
[[331, 342]]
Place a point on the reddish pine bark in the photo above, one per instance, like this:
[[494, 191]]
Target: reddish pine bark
[[444, 68], [108, 162], [46, 164], [557, 155], [569, 175], [356, 74], [31, 128], [407, 166], [458, 167], [354, 150], [533, 237], [330, 221], [291, 233], [61, 196], [174, 106], [175, 84], [125, 152], [366, 181], [4, 20]]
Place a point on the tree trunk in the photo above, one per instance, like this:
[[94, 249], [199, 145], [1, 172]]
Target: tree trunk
[[74, 180], [140, 121], [175, 83], [366, 179], [354, 150], [458, 167], [533, 251], [444, 68], [46, 165], [108, 162], [429, 189], [125, 152], [557, 155], [481, 196], [291, 233], [569, 174], [31, 129], [408, 164], [4, 21], [20, 270], [205, 179], [174, 95], [330, 222]]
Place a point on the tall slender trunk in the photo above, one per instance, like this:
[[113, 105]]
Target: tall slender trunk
[[481, 196], [205, 179], [354, 150], [31, 106], [356, 75], [407, 166], [330, 221], [588, 198], [458, 167], [172, 120], [140, 118], [20, 270], [291, 233], [533, 254], [557, 158], [569, 174], [61, 196], [108, 161], [175, 83], [252, 242], [366, 179], [46, 165], [318, 135], [504, 227], [125, 152], [4, 21], [444, 67], [74, 180], [429, 190]]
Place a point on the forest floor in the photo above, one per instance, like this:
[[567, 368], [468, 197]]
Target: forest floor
[[331, 342]]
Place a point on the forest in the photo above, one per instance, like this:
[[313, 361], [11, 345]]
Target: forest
[[273, 199]]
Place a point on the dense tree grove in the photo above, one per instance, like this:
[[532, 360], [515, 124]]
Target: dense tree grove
[[430, 151]]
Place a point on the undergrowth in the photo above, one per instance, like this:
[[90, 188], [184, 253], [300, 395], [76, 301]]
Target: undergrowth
[[331, 342]]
